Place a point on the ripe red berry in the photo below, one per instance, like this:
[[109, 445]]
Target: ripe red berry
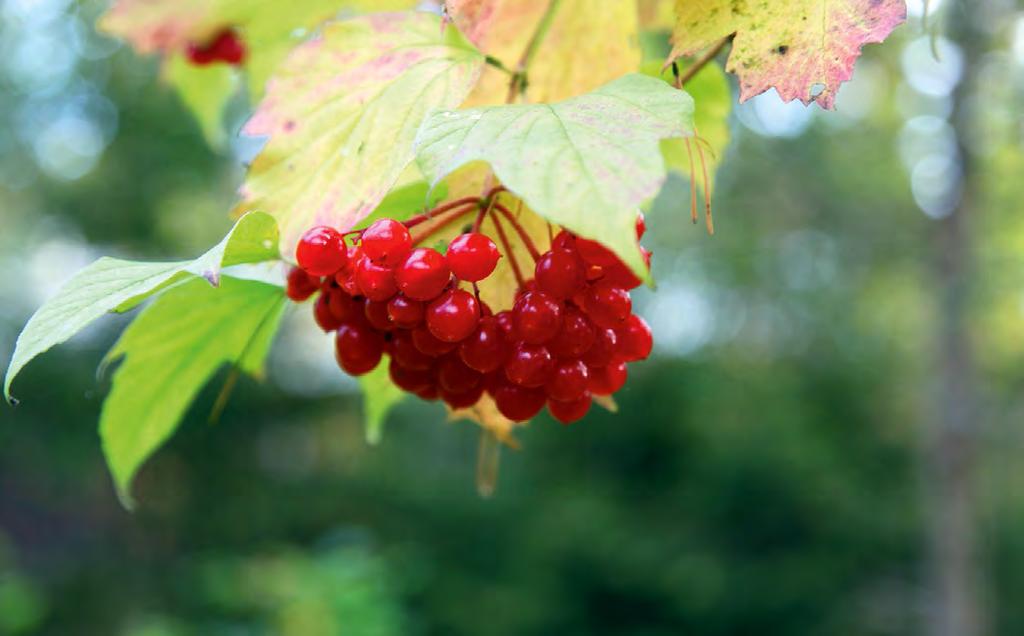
[[323, 315], [575, 337], [428, 344], [453, 316], [454, 376], [375, 281], [429, 393], [226, 47], [386, 241], [405, 312], [462, 400], [538, 317], [518, 403], [594, 253], [641, 226], [621, 276], [484, 350], [376, 312], [423, 275], [635, 340], [344, 307], [560, 274], [529, 365], [603, 349], [568, 382], [405, 353], [321, 251], [506, 322], [607, 379], [301, 285], [411, 380], [358, 348], [564, 240], [569, 412], [472, 257], [607, 305]]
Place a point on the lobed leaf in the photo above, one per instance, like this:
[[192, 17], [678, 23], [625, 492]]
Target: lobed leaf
[[586, 163], [342, 113], [111, 284], [803, 48], [169, 352]]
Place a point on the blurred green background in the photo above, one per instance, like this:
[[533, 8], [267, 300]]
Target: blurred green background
[[827, 441]]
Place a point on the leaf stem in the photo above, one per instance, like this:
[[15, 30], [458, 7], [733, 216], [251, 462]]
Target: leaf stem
[[508, 249], [453, 214], [701, 62], [517, 85], [523, 235], [440, 210]]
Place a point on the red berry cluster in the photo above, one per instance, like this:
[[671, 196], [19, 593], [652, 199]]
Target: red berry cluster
[[225, 47], [567, 338]]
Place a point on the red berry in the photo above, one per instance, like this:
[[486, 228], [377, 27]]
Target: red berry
[[641, 226], [564, 240], [472, 257], [375, 281], [376, 312], [405, 353], [226, 46], [529, 365], [428, 344], [484, 350], [344, 307], [560, 274], [453, 316], [411, 380], [518, 403], [454, 376], [321, 251], [568, 382], [326, 318], [538, 317], [462, 400], [423, 275], [603, 349], [607, 305], [405, 312], [621, 276], [506, 322], [635, 340], [575, 337], [386, 241], [428, 393], [358, 348], [608, 379], [594, 253], [569, 412], [301, 285]]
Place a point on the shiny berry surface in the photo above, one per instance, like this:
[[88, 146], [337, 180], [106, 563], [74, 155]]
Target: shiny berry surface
[[568, 381], [635, 340], [430, 344], [453, 316], [325, 318], [386, 241], [472, 257], [575, 337], [608, 379], [454, 376], [538, 317], [375, 281], [406, 312], [608, 305], [603, 349], [485, 349], [518, 403], [376, 312], [423, 275], [529, 365], [300, 285], [560, 274], [358, 348], [569, 412], [321, 251], [405, 352]]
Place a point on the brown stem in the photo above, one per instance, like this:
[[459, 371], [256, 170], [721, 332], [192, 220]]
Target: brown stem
[[452, 216], [693, 183], [438, 211], [508, 249], [707, 189], [701, 62], [523, 235]]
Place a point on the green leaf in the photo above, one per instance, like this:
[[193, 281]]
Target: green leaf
[[169, 352], [585, 163], [380, 395], [342, 112], [111, 284], [205, 91], [406, 201]]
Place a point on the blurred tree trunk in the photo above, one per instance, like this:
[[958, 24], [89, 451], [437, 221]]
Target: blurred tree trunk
[[955, 584]]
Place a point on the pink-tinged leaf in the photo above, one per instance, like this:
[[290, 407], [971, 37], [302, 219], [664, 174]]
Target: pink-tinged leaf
[[802, 48], [342, 112]]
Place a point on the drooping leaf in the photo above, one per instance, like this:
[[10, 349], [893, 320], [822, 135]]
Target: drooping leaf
[[380, 395], [342, 112], [803, 48], [205, 91], [111, 284], [169, 352], [586, 163]]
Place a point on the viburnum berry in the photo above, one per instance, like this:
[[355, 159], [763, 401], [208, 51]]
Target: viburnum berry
[[454, 376], [429, 344], [569, 412], [321, 251], [607, 305], [358, 348], [484, 350], [568, 381], [518, 403], [301, 285], [472, 257], [575, 337], [608, 379], [634, 339], [423, 275], [323, 315], [564, 240], [641, 226], [411, 380], [405, 352], [429, 393], [560, 274], [538, 317], [225, 47], [603, 349], [405, 312], [376, 312], [453, 316], [375, 281], [594, 253], [386, 241], [344, 307], [462, 400], [529, 365]]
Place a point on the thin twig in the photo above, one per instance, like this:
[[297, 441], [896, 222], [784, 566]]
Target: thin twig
[[508, 249], [523, 235], [701, 62]]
